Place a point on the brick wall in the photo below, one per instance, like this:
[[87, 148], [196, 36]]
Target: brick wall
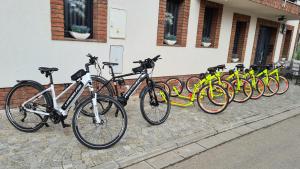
[[242, 43], [278, 4], [286, 42], [60, 87], [182, 24], [216, 23], [99, 20], [264, 22]]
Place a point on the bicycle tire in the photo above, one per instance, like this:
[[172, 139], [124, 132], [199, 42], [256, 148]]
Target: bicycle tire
[[175, 82], [259, 88], [229, 88], [286, 87], [108, 90], [84, 140], [190, 83], [9, 104], [149, 90], [164, 85], [248, 96], [204, 92], [270, 92]]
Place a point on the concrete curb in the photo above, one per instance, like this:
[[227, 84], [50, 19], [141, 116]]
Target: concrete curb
[[184, 148]]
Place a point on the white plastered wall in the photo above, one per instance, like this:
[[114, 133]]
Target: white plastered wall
[[26, 42]]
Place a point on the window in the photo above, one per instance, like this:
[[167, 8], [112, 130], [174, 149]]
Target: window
[[78, 13], [239, 36], [208, 16], [209, 24], [88, 15], [173, 22], [172, 14], [286, 42]]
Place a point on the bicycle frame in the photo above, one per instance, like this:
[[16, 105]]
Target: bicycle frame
[[85, 81], [192, 97], [237, 75]]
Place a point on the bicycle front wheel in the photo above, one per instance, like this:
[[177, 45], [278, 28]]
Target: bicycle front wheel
[[155, 105], [112, 126], [208, 96], [175, 83], [258, 88], [164, 85], [283, 85], [191, 82], [272, 86], [18, 114], [243, 90]]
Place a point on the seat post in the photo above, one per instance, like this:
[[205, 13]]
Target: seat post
[[51, 78]]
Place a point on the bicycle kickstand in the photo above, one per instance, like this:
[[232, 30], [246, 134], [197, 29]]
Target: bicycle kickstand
[[64, 125]]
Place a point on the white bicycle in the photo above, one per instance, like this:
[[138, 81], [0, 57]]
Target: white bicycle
[[29, 105]]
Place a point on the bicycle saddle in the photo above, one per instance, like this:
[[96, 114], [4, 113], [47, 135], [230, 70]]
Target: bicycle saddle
[[212, 70], [110, 64], [254, 67], [269, 66], [240, 66], [47, 69], [221, 67]]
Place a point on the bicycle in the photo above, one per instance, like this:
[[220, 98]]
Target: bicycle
[[282, 81], [216, 72], [211, 97], [256, 82], [242, 87], [155, 93], [272, 85], [29, 105]]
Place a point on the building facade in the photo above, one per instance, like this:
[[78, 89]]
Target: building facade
[[36, 33]]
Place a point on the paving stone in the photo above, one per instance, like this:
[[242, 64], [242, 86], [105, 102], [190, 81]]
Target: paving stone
[[210, 142], [164, 160], [141, 165], [55, 147], [228, 135], [189, 150], [107, 165], [242, 130]]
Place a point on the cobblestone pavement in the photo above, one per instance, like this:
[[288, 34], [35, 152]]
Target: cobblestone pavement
[[55, 147]]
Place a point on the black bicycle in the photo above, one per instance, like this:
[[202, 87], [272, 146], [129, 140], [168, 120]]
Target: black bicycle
[[154, 99]]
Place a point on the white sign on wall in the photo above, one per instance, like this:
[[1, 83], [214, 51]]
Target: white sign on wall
[[117, 22], [116, 56]]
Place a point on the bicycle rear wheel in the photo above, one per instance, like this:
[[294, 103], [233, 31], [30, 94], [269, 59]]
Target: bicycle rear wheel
[[155, 105], [207, 97], [175, 83], [99, 88], [20, 118], [191, 82], [243, 90], [272, 86], [104, 135], [283, 85]]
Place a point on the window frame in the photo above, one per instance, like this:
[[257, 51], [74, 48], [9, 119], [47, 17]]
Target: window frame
[[291, 29], [99, 21], [237, 17], [182, 24], [216, 23]]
